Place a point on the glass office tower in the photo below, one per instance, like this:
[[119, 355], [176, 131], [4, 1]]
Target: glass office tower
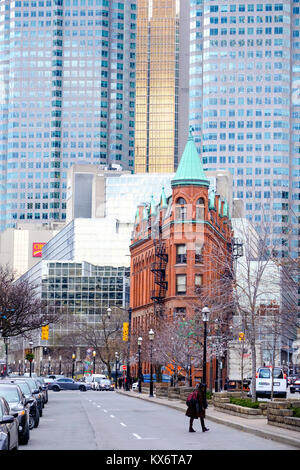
[[67, 75], [245, 106], [161, 84]]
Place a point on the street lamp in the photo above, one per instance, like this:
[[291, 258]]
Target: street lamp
[[30, 361], [6, 342], [49, 365], [116, 357], [140, 339], [108, 311], [151, 338], [205, 318], [59, 365], [94, 361], [128, 350], [73, 365]]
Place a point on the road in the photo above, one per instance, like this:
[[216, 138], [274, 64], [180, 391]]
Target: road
[[74, 420]]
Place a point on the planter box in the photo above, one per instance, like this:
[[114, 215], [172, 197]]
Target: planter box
[[282, 416]]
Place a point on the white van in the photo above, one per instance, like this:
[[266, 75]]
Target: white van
[[96, 379], [264, 383]]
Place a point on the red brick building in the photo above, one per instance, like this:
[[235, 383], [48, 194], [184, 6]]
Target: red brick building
[[171, 248]]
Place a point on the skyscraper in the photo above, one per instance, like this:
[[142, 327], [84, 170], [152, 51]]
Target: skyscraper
[[67, 74], [245, 106], [161, 84]]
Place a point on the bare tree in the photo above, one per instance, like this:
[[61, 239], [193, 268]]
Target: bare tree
[[103, 336], [21, 310]]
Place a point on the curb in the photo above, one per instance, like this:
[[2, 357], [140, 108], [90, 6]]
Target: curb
[[241, 427]]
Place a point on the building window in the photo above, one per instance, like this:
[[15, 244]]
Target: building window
[[200, 209], [198, 283], [199, 253], [180, 254], [181, 284], [179, 312], [180, 210]]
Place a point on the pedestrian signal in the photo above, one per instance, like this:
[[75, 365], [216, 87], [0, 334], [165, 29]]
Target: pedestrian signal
[[125, 331], [241, 336], [45, 332]]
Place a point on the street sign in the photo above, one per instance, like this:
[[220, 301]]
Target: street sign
[[124, 367]]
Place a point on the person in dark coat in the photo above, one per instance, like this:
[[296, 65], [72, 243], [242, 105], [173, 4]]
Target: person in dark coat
[[198, 410]]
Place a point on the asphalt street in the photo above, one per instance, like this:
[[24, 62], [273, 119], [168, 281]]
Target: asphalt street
[[74, 420]]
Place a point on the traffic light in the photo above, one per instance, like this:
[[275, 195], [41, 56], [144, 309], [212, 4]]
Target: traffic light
[[241, 336], [45, 332]]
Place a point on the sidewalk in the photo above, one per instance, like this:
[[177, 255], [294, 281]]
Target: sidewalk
[[256, 426]]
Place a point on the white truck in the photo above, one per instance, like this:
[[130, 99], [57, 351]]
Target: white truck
[[239, 364]]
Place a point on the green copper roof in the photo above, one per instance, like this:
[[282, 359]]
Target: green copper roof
[[163, 199], [145, 213], [211, 199], [190, 170], [153, 211]]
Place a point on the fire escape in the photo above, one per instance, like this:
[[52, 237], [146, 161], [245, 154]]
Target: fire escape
[[159, 270]]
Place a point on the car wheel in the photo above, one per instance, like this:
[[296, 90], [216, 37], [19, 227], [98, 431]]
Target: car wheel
[[292, 391], [31, 422], [82, 388], [37, 419], [24, 438], [55, 388]]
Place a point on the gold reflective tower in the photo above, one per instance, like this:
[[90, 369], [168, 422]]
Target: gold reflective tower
[[161, 84]]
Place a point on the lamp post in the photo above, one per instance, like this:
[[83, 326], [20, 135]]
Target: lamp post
[[205, 318], [6, 342], [19, 366], [73, 365], [116, 357], [30, 361], [151, 338], [41, 365], [59, 365], [49, 365], [128, 350], [94, 361], [140, 371]]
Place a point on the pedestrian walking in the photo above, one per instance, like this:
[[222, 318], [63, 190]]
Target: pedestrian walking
[[120, 382], [196, 409]]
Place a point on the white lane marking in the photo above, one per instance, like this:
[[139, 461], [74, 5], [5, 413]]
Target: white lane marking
[[105, 411], [122, 424], [136, 435], [112, 416], [98, 406]]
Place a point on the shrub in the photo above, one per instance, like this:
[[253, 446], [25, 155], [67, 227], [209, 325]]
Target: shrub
[[244, 402], [296, 412]]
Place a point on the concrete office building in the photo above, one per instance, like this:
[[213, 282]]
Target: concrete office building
[[67, 76], [21, 247], [245, 106]]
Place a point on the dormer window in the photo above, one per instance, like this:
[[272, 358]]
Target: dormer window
[[200, 209], [181, 209]]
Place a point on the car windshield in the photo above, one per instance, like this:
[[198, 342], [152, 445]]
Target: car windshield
[[105, 382], [98, 379], [88, 379], [10, 394], [25, 388]]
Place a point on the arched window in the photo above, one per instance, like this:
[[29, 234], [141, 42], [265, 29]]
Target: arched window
[[180, 210], [200, 209]]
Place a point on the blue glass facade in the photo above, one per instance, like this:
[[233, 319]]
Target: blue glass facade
[[245, 106], [67, 75]]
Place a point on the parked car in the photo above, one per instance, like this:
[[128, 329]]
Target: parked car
[[34, 414], [36, 392], [44, 388], [9, 436], [17, 404], [68, 384], [105, 384], [295, 386]]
